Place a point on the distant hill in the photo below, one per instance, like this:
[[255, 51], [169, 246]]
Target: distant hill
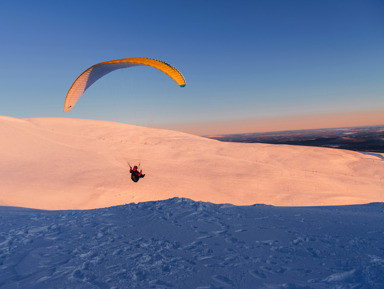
[[365, 139]]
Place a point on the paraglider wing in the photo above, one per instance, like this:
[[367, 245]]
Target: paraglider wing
[[95, 72]]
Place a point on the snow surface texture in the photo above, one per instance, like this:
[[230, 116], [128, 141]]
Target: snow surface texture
[[59, 163], [179, 243]]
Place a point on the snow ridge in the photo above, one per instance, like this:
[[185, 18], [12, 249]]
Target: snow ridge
[[62, 164], [180, 243]]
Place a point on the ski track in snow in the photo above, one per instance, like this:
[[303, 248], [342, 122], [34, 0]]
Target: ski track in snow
[[179, 243]]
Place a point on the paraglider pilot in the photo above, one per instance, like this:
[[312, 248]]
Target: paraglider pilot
[[136, 175]]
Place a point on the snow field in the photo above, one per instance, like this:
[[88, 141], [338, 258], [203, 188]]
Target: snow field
[[179, 243], [61, 164]]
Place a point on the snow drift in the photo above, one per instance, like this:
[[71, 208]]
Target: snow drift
[[59, 163], [179, 243]]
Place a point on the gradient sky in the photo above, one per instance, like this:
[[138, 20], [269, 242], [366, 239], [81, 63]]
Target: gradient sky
[[245, 62]]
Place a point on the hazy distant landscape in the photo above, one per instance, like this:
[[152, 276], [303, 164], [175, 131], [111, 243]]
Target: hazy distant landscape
[[365, 139]]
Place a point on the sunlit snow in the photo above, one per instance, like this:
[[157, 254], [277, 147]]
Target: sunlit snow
[[192, 221]]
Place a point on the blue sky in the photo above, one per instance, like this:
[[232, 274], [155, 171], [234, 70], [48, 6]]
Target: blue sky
[[243, 60]]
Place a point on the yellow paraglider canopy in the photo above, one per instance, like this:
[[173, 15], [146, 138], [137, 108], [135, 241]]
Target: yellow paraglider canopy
[[92, 74]]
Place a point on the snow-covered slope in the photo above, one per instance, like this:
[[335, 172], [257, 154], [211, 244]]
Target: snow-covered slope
[[179, 243], [58, 163]]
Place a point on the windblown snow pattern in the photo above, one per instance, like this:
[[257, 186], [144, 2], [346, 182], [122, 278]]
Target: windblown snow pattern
[[179, 243]]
